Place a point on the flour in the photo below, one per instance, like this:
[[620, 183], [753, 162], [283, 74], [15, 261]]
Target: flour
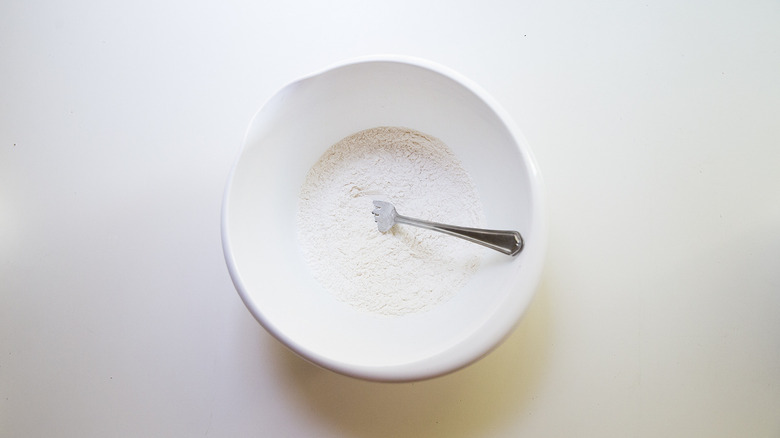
[[406, 269]]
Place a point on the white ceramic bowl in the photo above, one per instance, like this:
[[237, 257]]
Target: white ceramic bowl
[[289, 134]]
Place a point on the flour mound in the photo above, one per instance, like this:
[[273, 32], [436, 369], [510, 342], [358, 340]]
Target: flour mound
[[406, 269]]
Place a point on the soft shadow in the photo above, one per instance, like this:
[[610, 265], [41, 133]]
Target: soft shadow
[[468, 402]]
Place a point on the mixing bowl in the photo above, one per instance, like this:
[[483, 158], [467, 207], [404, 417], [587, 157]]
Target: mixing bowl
[[289, 134]]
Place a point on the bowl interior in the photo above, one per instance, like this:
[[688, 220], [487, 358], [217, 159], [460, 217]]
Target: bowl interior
[[289, 135]]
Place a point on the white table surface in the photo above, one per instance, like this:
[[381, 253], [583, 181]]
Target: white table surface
[[656, 126]]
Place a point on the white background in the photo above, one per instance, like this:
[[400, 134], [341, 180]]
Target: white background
[[656, 126]]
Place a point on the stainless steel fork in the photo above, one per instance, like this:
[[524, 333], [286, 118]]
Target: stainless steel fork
[[507, 242]]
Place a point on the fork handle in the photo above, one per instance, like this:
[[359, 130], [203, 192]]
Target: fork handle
[[504, 241]]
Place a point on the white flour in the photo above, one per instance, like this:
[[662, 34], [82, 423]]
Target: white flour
[[406, 269]]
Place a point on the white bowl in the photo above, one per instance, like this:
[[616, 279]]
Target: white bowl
[[289, 134]]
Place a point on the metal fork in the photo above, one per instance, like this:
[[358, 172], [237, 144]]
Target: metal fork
[[507, 242]]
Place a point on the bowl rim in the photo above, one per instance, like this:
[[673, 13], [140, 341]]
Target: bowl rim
[[406, 372]]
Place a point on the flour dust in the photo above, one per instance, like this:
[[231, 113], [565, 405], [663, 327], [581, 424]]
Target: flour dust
[[407, 269]]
